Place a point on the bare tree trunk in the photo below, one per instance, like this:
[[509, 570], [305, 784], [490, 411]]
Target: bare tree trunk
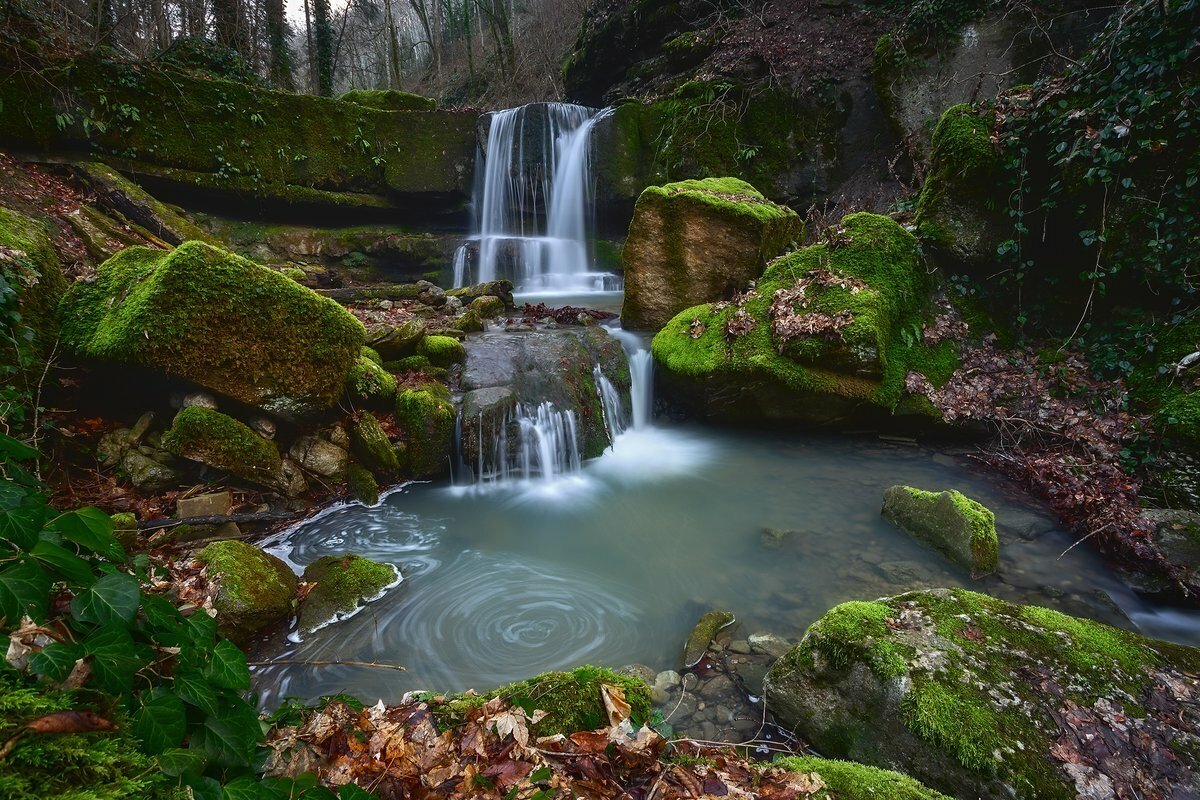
[[393, 43], [435, 48]]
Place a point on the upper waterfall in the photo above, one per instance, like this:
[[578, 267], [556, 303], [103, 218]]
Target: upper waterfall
[[533, 203]]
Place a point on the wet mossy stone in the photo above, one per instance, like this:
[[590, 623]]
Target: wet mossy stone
[[442, 351], [572, 700], [959, 212], [220, 441], [104, 765], [426, 416], [369, 382], [729, 361], [702, 635], [389, 100], [488, 306], [361, 485], [958, 527], [138, 206], [370, 445], [408, 364], [469, 321], [698, 241], [252, 588], [978, 697], [218, 320], [846, 780], [341, 584], [30, 267], [397, 341]]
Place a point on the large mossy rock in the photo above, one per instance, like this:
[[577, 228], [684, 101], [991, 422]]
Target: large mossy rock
[[340, 585], [426, 417], [222, 442], [218, 320], [845, 780], [389, 100], [828, 333], [698, 241], [985, 699], [252, 589], [34, 282], [954, 524]]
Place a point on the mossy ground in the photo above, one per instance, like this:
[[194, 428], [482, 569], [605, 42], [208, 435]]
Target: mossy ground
[[389, 100], [253, 589], [218, 320], [106, 765], [221, 441], [846, 780], [871, 248]]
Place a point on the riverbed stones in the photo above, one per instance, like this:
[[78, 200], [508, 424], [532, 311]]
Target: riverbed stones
[[703, 634], [698, 241], [952, 523], [988, 699], [250, 588], [218, 320], [339, 585]]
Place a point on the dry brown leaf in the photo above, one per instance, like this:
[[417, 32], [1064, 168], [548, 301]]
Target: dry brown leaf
[[615, 704]]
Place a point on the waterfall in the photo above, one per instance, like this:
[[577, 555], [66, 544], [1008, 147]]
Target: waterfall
[[611, 403], [535, 166], [530, 443], [641, 376]]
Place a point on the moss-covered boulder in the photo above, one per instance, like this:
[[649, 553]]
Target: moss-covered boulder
[[959, 212], [369, 382], [982, 698], [105, 764], [220, 441], [370, 445], [954, 524], [218, 320], [34, 282], [361, 484], [397, 341], [488, 306], [698, 241], [846, 780], [572, 700], [442, 351], [340, 585], [389, 100], [830, 331], [250, 588], [426, 418]]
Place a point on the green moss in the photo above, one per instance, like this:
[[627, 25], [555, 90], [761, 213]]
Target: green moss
[[1179, 417], [361, 485], [426, 416], [370, 382], [867, 366], [371, 355], [572, 700], [442, 351], [389, 100], [137, 206], [342, 584], [253, 588], [408, 364], [846, 780], [31, 270], [727, 195], [961, 528], [218, 320], [212, 438], [370, 445], [125, 528], [856, 630], [488, 306], [107, 765]]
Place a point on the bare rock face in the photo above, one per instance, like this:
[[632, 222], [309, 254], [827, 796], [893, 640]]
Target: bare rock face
[[696, 242]]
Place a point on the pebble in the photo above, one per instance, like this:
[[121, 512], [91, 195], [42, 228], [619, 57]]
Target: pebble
[[667, 679], [770, 644]]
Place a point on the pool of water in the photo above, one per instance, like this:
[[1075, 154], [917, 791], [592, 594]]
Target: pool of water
[[614, 565]]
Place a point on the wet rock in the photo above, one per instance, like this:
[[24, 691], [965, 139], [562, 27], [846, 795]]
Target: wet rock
[[340, 585], [252, 588], [774, 538], [667, 679], [740, 646], [770, 644], [399, 341], [426, 417], [639, 671], [702, 635], [263, 426], [488, 306], [955, 525], [290, 478], [431, 294], [320, 457], [213, 504], [141, 428], [361, 485], [148, 474], [371, 447], [983, 698], [198, 399], [337, 435]]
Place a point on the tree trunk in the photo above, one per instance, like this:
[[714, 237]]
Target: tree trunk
[[393, 47], [229, 25], [280, 55], [102, 21], [323, 34]]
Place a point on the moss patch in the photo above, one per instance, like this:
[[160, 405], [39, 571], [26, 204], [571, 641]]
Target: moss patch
[[389, 100], [442, 351], [342, 584], [253, 588], [426, 416], [218, 320], [370, 445], [846, 780], [361, 485], [212, 438], [368, 381]]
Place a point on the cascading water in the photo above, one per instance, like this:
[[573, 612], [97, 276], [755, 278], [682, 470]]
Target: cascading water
[[641, 376], [535, 166]]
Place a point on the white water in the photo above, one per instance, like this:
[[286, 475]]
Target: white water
[[519, 188]]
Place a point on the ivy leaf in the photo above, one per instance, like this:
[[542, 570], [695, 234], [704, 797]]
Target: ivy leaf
[[167, 625], [115, 658], [229, 737], [113, 597], [350, 791], [202, 630], [195, 690], [246, 788], [227, 666], [160, 722], [59, 559], [177, 761], [205, 789], [21, 516], [55, 661], [16, 450], [24, 589], [91, 528]]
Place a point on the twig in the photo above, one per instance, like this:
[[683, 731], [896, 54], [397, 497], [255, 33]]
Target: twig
[[217, 519], [322, 663], [1084, 539]]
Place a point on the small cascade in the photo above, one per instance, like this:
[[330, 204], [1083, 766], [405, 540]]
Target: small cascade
[[611, 401], [641, 375], [530, 443], [533, 203]]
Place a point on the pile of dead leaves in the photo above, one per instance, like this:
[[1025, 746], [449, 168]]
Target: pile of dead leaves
[[401, 752], [791, 311]]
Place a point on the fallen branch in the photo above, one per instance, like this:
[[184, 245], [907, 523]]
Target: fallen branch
[[217, 519], [334, 663]]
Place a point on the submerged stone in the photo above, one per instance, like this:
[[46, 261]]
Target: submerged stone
[[982, 698], [698, 241], [703, 634], [218, 320], [341, 584], [252, 588], [954, 524]]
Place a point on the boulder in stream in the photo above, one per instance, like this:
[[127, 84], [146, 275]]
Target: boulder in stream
[[426, 418], [982, 698], [340, 585], [251, 588], [702, 635], [958, 527]]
